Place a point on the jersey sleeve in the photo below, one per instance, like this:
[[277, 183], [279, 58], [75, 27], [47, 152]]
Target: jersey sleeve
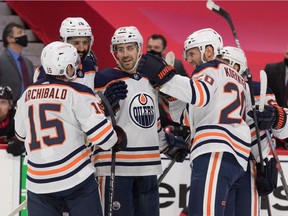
[[197, 91], [20, 130], [97, 127]]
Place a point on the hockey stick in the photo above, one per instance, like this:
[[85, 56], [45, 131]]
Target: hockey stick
[[217, 9], [170, 165], [167, 169], [3, 146], [170, 58], [263, 88], [279, 167], [263, 80], [113, 157], [19, 208]]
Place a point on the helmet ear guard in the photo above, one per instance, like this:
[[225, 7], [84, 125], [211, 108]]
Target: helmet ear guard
[[57, 56]]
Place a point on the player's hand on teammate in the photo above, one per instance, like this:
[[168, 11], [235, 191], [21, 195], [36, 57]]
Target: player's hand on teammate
[[15, 147], [271, 117], [121, 143], [177, 147], [156, 69], [115, 92]]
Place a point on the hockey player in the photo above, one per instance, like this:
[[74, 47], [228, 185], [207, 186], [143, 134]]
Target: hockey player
[[77, 31], [217, 98], [7, 112], [137, 167], [51, 117], [247, 201]]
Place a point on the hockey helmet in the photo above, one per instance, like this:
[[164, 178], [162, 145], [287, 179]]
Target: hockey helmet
[[6, 93], [235, 56], [57, 56], [201, 39], [126, 34], [75, 26]]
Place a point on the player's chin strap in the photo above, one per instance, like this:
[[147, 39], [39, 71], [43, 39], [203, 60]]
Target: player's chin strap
[[113, 157]]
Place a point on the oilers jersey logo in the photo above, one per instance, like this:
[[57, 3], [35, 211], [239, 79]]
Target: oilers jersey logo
[[80, 74], [142, 110]]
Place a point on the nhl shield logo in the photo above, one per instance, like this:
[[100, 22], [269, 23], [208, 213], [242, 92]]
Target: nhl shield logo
[[142, 110]]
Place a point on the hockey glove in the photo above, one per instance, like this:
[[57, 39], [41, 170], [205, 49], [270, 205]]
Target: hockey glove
[[271, 116], [121, 144], [266, 182], [15, 147], [156, 69], [177, 147], [115, 92]]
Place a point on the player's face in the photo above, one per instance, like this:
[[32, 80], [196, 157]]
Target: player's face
[[82, 44], [127, 55], [193, 56], [155, 45], [4, 108]]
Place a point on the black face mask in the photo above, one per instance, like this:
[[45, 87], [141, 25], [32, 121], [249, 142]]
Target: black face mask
[[22, 40], [286, 61], [153, 52]]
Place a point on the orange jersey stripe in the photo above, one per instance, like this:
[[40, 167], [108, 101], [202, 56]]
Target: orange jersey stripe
[[223, 136], [101, 133], [211, 180], [62, 169], [199, 87], [127, 156]]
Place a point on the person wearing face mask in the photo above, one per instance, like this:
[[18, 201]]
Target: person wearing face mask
[[277, 81], [157, 45], [16, 70]]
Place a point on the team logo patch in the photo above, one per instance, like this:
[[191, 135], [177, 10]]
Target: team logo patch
[[142, 110], [80, 74]]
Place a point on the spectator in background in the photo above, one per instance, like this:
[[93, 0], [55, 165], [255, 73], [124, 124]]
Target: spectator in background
[[277, 75], [16, 70], [7, 112], [277, 78], [157, 45]]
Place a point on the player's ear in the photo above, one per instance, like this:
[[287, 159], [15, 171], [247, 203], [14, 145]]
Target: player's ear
[[209, 53]]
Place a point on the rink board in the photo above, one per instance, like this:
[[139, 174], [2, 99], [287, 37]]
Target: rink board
[[174, 190]]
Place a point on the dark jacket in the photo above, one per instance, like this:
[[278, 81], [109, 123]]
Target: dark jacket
[[10, 76]]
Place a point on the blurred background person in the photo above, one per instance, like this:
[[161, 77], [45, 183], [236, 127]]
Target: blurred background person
[[7, 132], [157, 45], [16, 71], [277, 81]]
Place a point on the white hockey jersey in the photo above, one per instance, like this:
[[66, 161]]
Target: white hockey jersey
[[51, 119], [139, 117], [218, 98]]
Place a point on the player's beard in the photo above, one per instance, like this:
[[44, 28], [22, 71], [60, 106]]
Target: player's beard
[[82, 54], [127, 66]]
